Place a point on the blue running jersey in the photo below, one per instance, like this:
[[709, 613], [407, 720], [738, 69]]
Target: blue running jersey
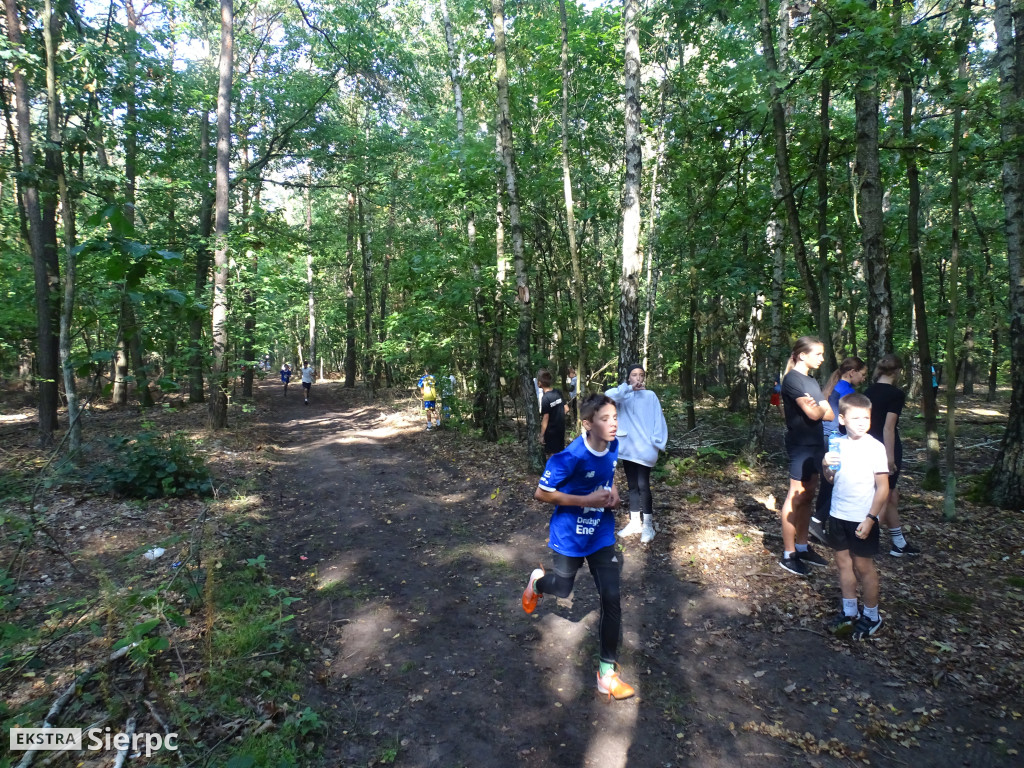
[[579, 470]]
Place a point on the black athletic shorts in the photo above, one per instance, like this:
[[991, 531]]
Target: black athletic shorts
[[805, 460], [842, 534]]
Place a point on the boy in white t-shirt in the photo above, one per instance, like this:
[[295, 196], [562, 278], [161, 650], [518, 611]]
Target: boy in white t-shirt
[[307, 379], [859, 472]]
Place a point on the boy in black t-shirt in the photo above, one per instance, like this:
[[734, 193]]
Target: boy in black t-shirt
[[552, 420]]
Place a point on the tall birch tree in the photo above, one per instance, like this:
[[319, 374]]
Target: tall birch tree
[[221, 227], [570, 214], [529, 399], [629, 280]]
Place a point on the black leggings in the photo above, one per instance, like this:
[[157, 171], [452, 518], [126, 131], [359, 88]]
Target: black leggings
[[605, 565], [638, 478]]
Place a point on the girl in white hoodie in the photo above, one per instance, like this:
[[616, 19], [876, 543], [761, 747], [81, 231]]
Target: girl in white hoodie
[[642, 434]]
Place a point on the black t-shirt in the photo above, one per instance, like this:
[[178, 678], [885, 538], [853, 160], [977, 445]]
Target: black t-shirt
[[885, 399], [800, 428], [554, 436]]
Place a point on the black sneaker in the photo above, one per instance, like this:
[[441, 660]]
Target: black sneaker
[[865, 627], [793, 565], [812, 558], [842, 625], [909, 550], [817, 530]]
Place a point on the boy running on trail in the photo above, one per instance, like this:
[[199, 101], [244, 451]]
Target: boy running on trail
[[307, 379], [286, 376], [428, 393], [859, 472], [580, 482], [553, 411]]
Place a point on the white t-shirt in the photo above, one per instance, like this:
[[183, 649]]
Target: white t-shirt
[[307, 374], [854, 484]]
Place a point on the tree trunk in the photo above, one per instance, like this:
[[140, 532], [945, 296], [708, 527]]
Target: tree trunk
[[932, 476], [51, 27], [1007, 479], [971, 316], [785, 181], [495, 399], [570, 217], [364, 246], [483, 320], [653, 272], [949, 500], [248, 298], [629, 282], [310, 289], [219, 327], [739, 400], [869, 200], [46, 336], [686, 372], [775, 354], [196, 389], [534, 449], [824, 271], [132, 332], [350, 296], [388, 256], [990, 295]]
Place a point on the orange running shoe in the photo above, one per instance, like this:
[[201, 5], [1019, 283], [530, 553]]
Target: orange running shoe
[[531, 598], [613, 687]]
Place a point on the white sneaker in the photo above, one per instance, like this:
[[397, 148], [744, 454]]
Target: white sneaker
[[646, 533], [632, 529]]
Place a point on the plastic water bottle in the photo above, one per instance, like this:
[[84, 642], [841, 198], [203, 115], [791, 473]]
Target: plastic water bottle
[[833, 447]]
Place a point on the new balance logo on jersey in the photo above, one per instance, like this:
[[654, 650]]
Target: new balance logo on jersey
[[590, 474]]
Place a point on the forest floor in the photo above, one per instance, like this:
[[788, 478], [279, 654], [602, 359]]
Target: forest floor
[[409, 550]]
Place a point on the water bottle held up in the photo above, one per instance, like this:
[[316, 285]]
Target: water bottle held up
[[833, 448]]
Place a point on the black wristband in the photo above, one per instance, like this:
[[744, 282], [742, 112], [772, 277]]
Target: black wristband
[[873, 517]]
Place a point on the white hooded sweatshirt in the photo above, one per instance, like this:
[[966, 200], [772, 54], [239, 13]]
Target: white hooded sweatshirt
[[642, 428]]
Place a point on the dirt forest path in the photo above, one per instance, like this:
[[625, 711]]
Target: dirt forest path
[[422, 656]]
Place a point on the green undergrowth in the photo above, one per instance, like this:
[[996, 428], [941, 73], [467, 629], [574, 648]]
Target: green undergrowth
[[211, 643], [150, 465], [252, 672]]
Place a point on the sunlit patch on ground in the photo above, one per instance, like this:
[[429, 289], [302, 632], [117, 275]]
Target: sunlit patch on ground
[[11, 418], [250, 506], [980, 410]]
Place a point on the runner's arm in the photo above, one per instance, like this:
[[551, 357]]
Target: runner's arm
[[598, 498]]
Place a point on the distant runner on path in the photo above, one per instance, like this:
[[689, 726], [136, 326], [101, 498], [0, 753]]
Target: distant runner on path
[[428, 393], [307, 379], [286, 376]]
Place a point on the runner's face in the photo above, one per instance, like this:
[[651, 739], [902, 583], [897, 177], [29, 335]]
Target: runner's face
[[637, 378], [856, 378], [857, 422], [605, 424]]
